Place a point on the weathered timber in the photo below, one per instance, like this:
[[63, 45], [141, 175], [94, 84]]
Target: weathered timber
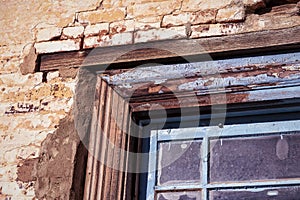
[[263, 41], [193, 100], [205, 78]]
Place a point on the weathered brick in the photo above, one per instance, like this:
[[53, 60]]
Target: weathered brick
[[153, 8], [52, 75], [20, 130], [29, 61], [121, 26], [18, 20], [160, 34], [176, 19], [231, 14], [107, 15], [108, 40], [199, 17], [215, 30], [96, 29], [72, 32], [27, 81], [280, 17], [107, 4], [24, 23], [203, 16], [130, 2], [196, 5], [57, 46], [11, 65], [252, 5], [148, 23], [11, 51], [48, 33], [252, 23]]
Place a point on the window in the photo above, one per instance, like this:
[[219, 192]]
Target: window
[[230, 162], [125, 97]]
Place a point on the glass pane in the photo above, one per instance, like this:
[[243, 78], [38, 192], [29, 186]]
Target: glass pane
[[284, 193], [179, 162], [254, 158], [183, 195]]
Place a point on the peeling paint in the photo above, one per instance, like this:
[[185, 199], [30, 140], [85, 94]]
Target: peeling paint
[[255, 64]]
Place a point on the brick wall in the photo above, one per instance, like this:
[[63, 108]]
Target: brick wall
[[33, 104]]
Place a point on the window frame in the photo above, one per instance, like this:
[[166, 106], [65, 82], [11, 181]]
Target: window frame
[[123, 183], [206, 134]]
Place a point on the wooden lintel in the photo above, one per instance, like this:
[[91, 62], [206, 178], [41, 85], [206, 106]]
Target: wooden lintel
[[270, 40]]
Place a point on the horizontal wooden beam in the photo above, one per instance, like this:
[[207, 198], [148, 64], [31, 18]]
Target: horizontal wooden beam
[[248, 96], [253, 42]]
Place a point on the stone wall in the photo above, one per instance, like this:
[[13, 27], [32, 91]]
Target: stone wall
[[35, 107]]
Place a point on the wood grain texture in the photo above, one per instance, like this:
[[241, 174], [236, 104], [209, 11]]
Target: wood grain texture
[[262, 41], [107, 162]]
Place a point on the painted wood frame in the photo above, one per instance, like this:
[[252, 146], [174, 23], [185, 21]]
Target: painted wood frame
[[113, 108], [205, 134]]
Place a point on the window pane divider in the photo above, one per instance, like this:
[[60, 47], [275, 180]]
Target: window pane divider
[[204, 167], [229, 130], [152, 165], [267, 183]]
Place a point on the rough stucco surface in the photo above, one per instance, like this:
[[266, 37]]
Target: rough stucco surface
[[57, 152], [35, 105]]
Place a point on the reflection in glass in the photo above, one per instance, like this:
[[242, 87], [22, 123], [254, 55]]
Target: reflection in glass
[[283, 193], [255, 158], [179, 162], [182, 195]]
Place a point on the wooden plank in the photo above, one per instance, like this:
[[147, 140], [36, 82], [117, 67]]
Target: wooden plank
[[110, 140], [270, 40], [91, 176], [117, 158], [125, 131], [229, 66], [110, 124], [227, 98], [104, 133], [98, 138]]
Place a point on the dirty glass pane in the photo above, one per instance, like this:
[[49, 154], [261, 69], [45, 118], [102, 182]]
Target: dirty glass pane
[[254, 158], [179, 162], [284, 193], [183, 195]]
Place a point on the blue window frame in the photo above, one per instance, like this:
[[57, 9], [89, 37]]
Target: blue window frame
[[258, 159]]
